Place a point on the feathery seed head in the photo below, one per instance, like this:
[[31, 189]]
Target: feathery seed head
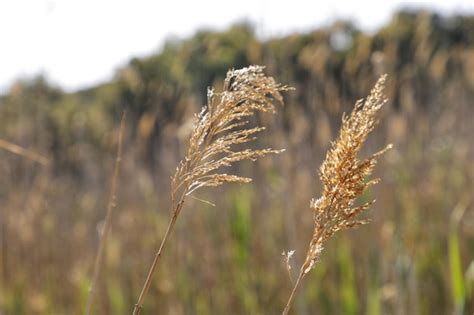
[[344, 176], [221, 125], [218, 127]]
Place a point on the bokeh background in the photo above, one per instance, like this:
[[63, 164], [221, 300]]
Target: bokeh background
[[416, 257]]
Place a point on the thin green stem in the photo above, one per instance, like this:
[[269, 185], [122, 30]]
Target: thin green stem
[[108, 218]]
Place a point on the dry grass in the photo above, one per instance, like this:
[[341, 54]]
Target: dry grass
[[18, 150], [219, 127], [344, 179], [108, 220]]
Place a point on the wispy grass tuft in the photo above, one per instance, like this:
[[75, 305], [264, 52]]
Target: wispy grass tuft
[[344, 180]]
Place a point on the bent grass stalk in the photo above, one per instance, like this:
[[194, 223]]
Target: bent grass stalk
[[344, 180], [220, 125], [108, 218], [18, 150]]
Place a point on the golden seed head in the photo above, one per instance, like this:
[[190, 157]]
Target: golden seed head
[[221, 125], [344, 176]]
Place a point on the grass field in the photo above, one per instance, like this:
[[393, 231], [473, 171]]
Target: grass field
[[58, 151]]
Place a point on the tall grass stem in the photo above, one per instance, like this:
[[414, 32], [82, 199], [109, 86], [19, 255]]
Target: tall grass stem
[[108, 218]]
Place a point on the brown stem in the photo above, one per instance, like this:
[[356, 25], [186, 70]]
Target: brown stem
[[16, 149], [290, 300], [108, 218], [139, 306]]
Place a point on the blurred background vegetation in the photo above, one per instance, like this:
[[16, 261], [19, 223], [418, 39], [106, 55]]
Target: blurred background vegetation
[[416, 257]]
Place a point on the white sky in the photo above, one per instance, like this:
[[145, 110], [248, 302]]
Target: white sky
[[77, 43]]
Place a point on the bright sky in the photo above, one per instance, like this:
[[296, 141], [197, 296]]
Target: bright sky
[[78, 43]]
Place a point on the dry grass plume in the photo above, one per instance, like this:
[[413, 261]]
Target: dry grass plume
[[344, 179], [220, 125]]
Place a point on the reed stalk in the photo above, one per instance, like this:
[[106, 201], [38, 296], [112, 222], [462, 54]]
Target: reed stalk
[[108, 219], [218, 129]]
